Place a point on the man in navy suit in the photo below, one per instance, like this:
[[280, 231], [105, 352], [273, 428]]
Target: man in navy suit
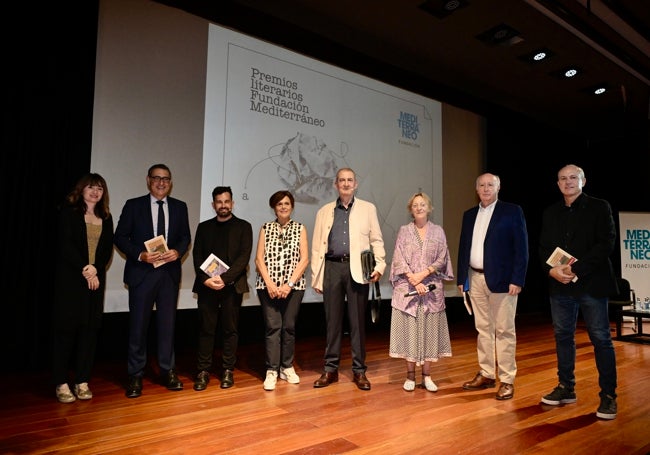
[[151, 284], [492, 264]]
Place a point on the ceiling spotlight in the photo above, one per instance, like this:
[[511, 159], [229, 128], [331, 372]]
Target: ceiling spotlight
[[502, 34], [537, 55], [451, 5], [443, 8], [570, 72], [599, 89]]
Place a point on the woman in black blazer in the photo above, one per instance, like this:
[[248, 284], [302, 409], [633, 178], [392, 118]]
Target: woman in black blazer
[[84, 251]]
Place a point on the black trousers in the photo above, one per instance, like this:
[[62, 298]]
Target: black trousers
[[337, 286], [224, 304]]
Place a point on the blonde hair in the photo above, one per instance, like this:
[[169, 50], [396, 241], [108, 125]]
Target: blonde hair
[[424, 196]]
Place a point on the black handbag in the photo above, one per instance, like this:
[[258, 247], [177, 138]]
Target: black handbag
[[368, 266]]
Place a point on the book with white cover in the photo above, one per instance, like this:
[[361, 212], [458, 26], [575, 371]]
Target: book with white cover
[[561, 257], [467, 302], [214, 266], [157, 244]]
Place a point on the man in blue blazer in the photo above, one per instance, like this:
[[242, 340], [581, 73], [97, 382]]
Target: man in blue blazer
[[153, 277], [492, 265]]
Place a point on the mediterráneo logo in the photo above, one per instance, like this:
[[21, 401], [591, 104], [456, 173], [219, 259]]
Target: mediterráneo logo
[[409, 125], [637, 243]]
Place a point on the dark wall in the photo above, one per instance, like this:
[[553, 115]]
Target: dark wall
[[48, 69], [47, 139], [527, 155]]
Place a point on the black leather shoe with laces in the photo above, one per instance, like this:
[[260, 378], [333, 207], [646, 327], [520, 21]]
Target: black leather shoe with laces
[[227, 379], [171, 381], [201, 381]]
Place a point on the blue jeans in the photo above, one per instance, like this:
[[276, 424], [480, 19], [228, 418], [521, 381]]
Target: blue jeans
[[564, 310]]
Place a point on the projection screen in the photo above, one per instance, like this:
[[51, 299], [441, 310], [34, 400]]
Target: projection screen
[[222, 108]]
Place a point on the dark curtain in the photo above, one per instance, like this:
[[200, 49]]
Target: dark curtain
[[527, 156], [49, 65]]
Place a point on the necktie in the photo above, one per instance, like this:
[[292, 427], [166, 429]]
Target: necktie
[[161, 219]]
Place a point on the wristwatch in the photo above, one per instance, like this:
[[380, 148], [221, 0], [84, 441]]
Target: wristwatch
[[291, 284]]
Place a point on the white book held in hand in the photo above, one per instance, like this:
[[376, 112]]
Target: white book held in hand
[[561, 257], [214, 266], [467, 302], [157, 244]]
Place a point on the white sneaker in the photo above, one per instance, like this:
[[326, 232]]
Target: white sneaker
[[429, 384], [289, 375], [82, 391], [63, 394], [409, 385], [271, 380]]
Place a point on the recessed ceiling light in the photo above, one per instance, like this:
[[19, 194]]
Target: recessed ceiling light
[[443, 8], [451, 5], [567, 72], [502, 35], [537, 55], [597, 89]]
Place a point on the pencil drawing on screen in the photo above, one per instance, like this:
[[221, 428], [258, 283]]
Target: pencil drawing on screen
[[307, 166]]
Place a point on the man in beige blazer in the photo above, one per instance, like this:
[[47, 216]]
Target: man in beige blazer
[[342, 230]]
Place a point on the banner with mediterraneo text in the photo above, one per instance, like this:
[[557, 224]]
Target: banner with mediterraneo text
[[635, 254]]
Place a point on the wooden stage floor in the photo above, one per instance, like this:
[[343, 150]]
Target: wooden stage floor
[[340, 419]]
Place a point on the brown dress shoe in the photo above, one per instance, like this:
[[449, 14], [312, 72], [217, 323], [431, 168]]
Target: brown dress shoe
[[361, 381], [479, 382], [326, 379], [506, 391]]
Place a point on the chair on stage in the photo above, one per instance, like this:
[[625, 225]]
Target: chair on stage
[[624, 300]]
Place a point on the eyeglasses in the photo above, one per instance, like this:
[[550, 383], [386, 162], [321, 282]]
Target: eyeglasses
[[158, 179]]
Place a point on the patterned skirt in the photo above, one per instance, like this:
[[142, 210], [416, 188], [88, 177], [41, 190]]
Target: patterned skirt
[[419, 339]]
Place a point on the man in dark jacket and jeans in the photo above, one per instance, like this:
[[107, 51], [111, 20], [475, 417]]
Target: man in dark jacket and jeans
[[584, 227]]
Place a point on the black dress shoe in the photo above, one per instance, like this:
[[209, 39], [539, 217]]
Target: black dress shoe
[[171, 381], [201, 381], [361, 381], [326, 379], [134, 387], [227, 379]]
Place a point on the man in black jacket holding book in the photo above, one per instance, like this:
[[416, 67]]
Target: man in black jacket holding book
[[584, 227], [231, 240]]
